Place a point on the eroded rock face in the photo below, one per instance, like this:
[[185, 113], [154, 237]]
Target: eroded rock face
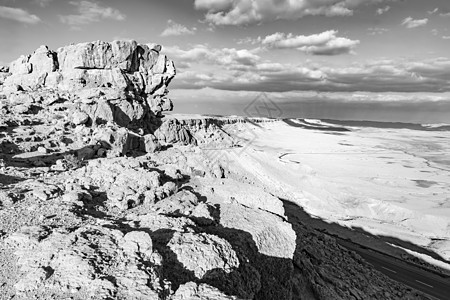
[[119, 89], [121, 82], [93, 260], [119, 64]]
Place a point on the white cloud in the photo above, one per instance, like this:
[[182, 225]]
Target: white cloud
[[432, 12], [233, 12], [446, 37], [445, 14], [243, 70], [229, 57], [19, 15], [409, 22], [325, 43], [175, 29], [42, 3], [90, 12], [383, 10], [377, 30]]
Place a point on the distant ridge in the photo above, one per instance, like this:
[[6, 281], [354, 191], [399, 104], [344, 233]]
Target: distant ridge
[[392, 125]]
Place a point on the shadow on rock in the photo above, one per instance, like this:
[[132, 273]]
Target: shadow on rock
[[6, 180], [325, 269]]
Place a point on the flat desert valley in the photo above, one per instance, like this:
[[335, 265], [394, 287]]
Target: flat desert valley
[[390, 182]]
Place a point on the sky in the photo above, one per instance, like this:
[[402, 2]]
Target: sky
[[384, 60]]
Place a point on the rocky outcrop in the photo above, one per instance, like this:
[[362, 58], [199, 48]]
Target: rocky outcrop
[[79, 263], [194, 131], [121, 82], [3, 75], [122, 65], [119, 89]]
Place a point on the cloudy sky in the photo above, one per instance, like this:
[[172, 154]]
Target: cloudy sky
[[346, 59]]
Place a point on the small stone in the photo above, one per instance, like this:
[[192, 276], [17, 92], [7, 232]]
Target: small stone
[[87, 100], [80, 118], [73, 197], [42, 150], [21, 109], [40, 195], [169, 188], [5, 199], [151, 143]]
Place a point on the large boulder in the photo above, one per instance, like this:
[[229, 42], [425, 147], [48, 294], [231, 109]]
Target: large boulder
[[31, 71]]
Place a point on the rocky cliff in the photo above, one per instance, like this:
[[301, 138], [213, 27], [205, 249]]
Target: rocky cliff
[[120, 83], [92, 207]]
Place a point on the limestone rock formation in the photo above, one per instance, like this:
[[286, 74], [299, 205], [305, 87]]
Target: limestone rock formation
[[117, 88], [122, 81]]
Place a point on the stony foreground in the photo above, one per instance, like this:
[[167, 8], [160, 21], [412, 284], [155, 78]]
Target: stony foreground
[[102, 198]]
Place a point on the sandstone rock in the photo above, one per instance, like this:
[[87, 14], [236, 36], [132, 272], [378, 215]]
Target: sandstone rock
[[272, 235], [82, 263], [154, 222], [41, 195], [245, 194], [5, 199], [3, 76], [80, 118], [124, 184], [169, 188], [203, 214], [136, 242], [182, 203], [73, 197], [136, 74], [21, 109], [99, 55], [202, 252], [194, 291], [150, 143], [31, 71], [43, 60], [154, 47], [21, 98], [42, 150], [117, 139]]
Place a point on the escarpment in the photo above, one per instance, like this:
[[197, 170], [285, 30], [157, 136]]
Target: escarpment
[[102, 197]]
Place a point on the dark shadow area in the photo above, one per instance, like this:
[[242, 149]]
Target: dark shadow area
[[311, 126], [313, 234], [82, 155], [297, 214], [95, 207], [406, 269], [258, 276], [253, 123], [7, 147], [333, 229], [6, 180]]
